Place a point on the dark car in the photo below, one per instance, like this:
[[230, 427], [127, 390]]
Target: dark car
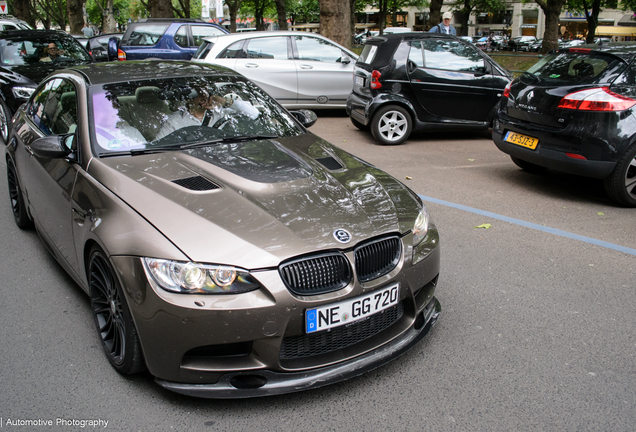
[[162, 38], [98, 45], [573, 112], [223, 246], [25, 61], [423, 81]]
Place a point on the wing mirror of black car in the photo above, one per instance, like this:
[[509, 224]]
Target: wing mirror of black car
[[306, 118], [112, 48], [411, 66], [53, 146], [481, 71]]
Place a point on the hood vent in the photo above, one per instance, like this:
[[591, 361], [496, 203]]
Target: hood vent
[[196, 183], [330, 163]]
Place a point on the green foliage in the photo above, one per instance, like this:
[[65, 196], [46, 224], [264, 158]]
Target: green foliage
[[303, 11], [95, 14]]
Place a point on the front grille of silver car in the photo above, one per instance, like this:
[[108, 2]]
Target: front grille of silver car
[[317, 274], [327, 341], [377, 258]]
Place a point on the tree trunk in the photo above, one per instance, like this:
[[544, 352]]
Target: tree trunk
[[233, 6], [259, 13], [110, 24], [466, 10], [382, 15], [75, 16], [160, 9], [592, 20], [282, 14], [436, 12], [335, 21], [551, 9], [22, 10]]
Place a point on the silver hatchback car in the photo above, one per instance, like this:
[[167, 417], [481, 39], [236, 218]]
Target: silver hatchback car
[[299, 69]]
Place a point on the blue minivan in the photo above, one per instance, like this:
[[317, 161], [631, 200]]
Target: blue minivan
[[162, 38]]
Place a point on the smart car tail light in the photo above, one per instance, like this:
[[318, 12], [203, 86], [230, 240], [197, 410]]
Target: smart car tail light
[[375, 83], [121, 56], [506, 91], [596, 99]]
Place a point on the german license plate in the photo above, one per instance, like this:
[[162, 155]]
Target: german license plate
[[359, 80], [348, 311], [522, 140]]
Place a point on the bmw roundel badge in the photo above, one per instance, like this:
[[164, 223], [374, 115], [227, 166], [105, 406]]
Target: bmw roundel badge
[[342, 235]]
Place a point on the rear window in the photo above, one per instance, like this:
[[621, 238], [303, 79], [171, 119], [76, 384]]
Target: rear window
[[368, 54], [146, 34], [574, 67]]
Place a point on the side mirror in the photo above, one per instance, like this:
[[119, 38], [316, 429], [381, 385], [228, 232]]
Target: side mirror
[[53, 146], [112, 48], [481, 70], [306, 118], [345, 59]]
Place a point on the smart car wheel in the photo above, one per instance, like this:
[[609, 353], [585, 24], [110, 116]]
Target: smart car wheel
[[621, 184], [5, 121], [527, 166], [391, 125], [114, 323], [20, 214]]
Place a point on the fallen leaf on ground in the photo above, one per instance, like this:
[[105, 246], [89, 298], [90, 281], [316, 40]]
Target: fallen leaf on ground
[[408, 178], [485, 226]]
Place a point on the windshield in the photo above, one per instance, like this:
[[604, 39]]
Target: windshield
[[32, 51], [581, 66], [183, 112]]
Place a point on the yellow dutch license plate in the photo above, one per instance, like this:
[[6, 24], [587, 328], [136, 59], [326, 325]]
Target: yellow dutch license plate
[[522, 140]]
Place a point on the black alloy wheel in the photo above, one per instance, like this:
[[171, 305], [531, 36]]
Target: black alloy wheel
[[112, 316], [621, 184], [5, 121], [18, 207]]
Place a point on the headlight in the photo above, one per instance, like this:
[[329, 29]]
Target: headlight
[[188, 277], [22, 92], [420, 229]]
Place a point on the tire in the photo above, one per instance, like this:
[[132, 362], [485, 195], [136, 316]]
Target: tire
[[18, 207], [621, 184], [113, 320], [528, 166], [5, 122], [391, 125], [359, 125]]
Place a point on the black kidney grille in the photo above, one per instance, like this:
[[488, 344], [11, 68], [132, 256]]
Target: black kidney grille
[[317, 275], [340, 337], [196, 183], [377, 258]]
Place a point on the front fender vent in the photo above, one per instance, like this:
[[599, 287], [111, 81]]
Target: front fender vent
[[196, 183], [330, 163]]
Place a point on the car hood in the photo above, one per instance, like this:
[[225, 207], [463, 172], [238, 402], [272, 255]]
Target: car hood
[[263, 201], [38, 71]]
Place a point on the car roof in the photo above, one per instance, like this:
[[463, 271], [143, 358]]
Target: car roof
[[33, 34], [623, 50], [114, 72]]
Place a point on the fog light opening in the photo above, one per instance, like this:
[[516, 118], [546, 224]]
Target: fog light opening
[[248, 381], [419, 321]]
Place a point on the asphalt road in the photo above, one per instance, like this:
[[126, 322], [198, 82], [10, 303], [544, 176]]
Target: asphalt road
[[537, 331]]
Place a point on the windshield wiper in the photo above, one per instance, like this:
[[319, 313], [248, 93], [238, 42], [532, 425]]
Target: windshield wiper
[[228, 139], [141, 151]]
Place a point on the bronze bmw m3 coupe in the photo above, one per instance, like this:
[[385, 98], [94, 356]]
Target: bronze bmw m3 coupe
[[224, 247]]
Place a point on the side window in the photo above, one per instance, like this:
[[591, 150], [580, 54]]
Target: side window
[[146, 34], [268, 48], [451, 55], [311, 48], [181, 37], [9, 27], [200, 32], [415, 53], [234, 51], [54, 108]]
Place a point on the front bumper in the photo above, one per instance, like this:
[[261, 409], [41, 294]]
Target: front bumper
[[268, 383]]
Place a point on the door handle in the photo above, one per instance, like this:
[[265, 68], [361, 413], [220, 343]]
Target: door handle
[[28, 150], [306, 66], [251, 65]]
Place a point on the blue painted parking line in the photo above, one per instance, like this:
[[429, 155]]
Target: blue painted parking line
[[532, 225]]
